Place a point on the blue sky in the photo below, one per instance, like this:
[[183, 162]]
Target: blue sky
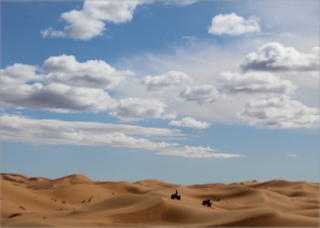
[[183, 91]]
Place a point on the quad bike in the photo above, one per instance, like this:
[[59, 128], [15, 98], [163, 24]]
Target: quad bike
[[175, 196], [206, 202]]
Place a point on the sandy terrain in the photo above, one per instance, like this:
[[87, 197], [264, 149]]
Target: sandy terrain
[[78, 201]]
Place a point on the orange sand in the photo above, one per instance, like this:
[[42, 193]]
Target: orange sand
[[78, 201]]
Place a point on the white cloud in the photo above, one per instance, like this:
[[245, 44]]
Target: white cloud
[[15, 128], [254, 83], [275, 57], [190, 122], [56, 97], [234, 25], [121, 140], [197, 152], [92, 73], [64, 85], [90, 21], [50, 32], [81, 27], [191, 38], [112, 11], [292, 155], [200, 94], [179, 2], [279, 113], [18, 74], [169, 79], [134, 109]]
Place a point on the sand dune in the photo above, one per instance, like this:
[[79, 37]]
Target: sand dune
[[76, 200]]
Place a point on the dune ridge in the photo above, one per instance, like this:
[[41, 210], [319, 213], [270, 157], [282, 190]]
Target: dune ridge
[[76, 200]]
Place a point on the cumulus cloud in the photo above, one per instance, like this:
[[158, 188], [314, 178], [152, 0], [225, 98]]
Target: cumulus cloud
[[275, 57], [15, 128], [92, 73], [279, 113], [90, 21], [18, 74], [190, 122], [63, 85], [134, 109], [169, 79], [81, 27], [201, 94], [196, 152], [56, 97], [234, 25], [254, 83]]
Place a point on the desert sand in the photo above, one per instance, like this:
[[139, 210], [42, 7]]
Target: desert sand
[[76, 200]]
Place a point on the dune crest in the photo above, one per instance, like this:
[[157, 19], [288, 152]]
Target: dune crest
[[76, 200]]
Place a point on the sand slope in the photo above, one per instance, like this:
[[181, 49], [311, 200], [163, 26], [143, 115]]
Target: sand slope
[[76, 200]]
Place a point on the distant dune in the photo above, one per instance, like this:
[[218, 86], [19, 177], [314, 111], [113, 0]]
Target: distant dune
[[76, 200]]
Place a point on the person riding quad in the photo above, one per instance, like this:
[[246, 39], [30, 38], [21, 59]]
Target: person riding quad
[[207, 202], [176, 195]]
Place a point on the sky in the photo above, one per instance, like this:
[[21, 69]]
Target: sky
[[188, 92]]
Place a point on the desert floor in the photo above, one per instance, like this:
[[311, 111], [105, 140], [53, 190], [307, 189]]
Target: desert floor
[[76, 200]]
